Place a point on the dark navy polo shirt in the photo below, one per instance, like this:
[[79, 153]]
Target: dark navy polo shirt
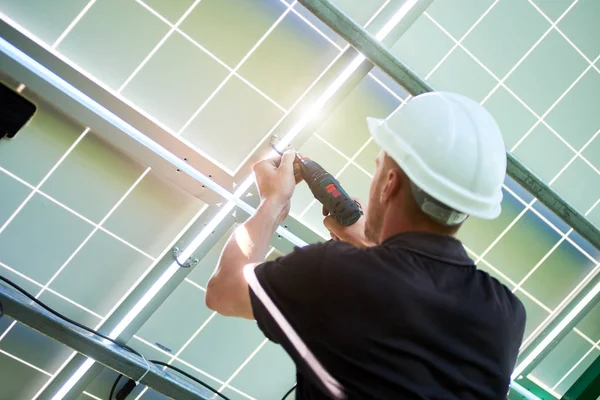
[[412, 318]]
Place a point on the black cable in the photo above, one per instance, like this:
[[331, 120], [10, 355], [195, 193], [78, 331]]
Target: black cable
[[114, 387], [128, 388], [69, 320], [288, 392], [112, 391], [206, 385]]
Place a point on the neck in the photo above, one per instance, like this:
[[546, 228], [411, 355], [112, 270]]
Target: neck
[[395, 224]]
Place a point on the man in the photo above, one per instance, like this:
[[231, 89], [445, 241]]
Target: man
[[392, 308]]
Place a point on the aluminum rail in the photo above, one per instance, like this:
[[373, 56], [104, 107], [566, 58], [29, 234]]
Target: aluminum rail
[[19, 307], [379, 55]]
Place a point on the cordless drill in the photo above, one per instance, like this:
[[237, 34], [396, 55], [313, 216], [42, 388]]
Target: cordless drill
[[328, 191]]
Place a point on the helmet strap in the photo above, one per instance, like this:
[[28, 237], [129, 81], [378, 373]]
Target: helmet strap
[[435, 209]]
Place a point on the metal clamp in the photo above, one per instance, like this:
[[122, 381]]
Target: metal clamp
[[190, 262]]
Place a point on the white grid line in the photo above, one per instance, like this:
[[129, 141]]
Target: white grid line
[[566, 234], [38, 284], [158, 46], [81, 245], [543, 386], [292, 108], [387, 88], [243, 364], [340, 48], [323, 73], [550, 224], [124, 297], [458, 42], [528, 52], [80, 216], [73, 23], [234, 71], [44, 179], [236, 68], [30, 365], [575, 366], [540, 119], [587, 339], [208, 53], [338, 152], [557, 29], [191, 282], [313, 26], [88, 394], [187, 364], [167, 249], [175, 357], [538, 302]]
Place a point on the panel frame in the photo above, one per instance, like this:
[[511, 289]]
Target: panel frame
[[395, 68]]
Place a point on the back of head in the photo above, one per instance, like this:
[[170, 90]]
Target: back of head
[[452, 151]]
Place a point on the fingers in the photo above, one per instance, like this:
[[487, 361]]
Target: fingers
[[333, 226], [325, 211], [287, 161], [268, 164], [297, 172]]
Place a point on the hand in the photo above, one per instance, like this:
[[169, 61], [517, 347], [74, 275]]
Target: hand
[[353, 234], [276, 178]]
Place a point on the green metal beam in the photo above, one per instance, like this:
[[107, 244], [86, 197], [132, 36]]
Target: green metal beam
[[379, 55], [587, 387], [532, 388]]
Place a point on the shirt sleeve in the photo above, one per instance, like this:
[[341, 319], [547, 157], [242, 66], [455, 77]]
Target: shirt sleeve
[[293, 282]]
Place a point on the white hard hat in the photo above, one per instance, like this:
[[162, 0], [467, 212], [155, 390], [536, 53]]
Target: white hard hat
[[451, 148]]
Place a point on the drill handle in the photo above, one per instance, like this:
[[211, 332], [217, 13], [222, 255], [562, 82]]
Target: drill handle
[[339, 204]]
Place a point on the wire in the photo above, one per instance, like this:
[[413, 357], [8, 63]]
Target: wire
[[69, 320], [88, 329], [206, 385], [124, 392], [114, 387], [289, 392]]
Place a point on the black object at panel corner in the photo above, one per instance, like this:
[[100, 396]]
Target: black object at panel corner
[[15, 111]]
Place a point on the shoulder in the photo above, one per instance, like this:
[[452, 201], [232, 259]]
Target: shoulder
[[505, 298]]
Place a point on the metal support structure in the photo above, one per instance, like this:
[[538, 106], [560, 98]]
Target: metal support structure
[[109, 129], [587, 387], [525, 389], [166, 260], [367, 44], [20, 308], [357, 36]]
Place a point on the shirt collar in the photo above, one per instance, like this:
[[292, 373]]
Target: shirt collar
[[441, 247]]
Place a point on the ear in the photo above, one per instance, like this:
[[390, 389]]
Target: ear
[[391, 186]]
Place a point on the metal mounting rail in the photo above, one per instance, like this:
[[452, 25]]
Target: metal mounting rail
[[20, 308]]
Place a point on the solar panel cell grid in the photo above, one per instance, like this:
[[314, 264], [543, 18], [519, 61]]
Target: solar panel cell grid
[[538, 79]]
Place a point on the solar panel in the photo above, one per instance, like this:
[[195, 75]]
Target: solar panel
[[83, 223]]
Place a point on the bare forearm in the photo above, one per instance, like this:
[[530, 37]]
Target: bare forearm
[[250, 241], [247, 245]]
